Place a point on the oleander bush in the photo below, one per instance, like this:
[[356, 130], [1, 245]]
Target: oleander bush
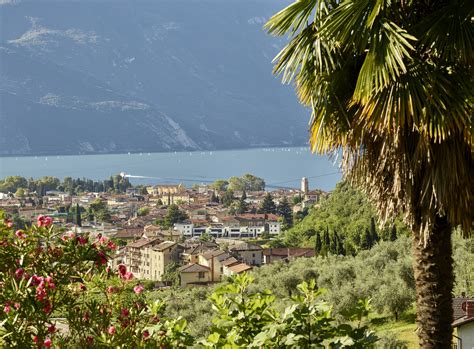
[[57, 291]]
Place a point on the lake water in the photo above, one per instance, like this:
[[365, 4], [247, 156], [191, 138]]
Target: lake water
[[280, 167]]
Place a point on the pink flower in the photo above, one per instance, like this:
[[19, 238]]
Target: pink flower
[[108, 269], [40, 293], [128, 275], [122, 269], [146, 334], [16, 306], [47, 342], [83, 287], [47, 308], [110, 289], [82, 240], [103, 240], [125, 312], [138, 289], [111, 245], [102, 259], [7, 309], [35, 339], [8, 223], [20, 234], [111, 330], [19, 272], [36, 280], [44, 221], [52, 329], [49, 281], [90, 340]]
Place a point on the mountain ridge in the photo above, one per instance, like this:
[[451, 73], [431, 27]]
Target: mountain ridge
[[143, 76]]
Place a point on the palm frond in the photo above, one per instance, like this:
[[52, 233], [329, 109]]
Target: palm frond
[[389, 52], [448, 33], [292, 18]]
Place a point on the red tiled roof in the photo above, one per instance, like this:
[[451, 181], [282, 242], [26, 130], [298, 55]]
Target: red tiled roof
[[194, 268], [143, 242], [239, 268], [289, 251]]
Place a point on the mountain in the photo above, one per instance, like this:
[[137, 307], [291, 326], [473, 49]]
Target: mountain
[[116, 76]]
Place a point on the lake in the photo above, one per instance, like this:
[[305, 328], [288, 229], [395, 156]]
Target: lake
[[280, 167]]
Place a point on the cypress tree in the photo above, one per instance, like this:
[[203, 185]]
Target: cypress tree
[[373, 231], [334, 243], [284, 209], [393, 233], [367, 240], [340, 247], [78, 219], [327, 240], [318, 245]]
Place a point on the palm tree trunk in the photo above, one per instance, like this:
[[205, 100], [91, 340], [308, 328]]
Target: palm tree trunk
[[433, 269]]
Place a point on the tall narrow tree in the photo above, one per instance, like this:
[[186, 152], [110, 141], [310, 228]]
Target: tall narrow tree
[[373, 231], [393, 233], [78, 218], [318, 244], [391, 86]]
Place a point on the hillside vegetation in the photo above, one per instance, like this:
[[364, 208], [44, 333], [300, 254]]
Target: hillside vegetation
[[347, 215]]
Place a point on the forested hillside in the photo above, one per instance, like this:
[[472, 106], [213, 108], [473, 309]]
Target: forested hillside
[[344, 218], [382, 274]]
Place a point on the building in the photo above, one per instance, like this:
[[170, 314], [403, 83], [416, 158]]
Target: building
[[235, 269], [194, 274], [137, 257], [251, 254], [304, 185], [165, 189], [161, 256], [215, 261], [286, 254], [464, 325]]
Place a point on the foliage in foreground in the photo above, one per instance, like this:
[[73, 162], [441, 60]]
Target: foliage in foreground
[[383, 274], [57, 291]]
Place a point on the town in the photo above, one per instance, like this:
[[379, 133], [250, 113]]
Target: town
[[168, 233]]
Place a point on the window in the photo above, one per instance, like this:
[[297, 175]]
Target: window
[[201, 275], [253, 255]]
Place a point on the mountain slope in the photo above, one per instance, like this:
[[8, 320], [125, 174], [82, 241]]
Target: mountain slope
[[142, 76]]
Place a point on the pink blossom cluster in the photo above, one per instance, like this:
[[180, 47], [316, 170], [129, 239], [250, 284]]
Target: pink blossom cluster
[[46, 343], [7, 308], [44, 221], [123, 273], [105, 241], [20, 234], [43, 286]]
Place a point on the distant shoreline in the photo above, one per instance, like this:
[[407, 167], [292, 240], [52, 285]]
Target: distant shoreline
[[155, 151]]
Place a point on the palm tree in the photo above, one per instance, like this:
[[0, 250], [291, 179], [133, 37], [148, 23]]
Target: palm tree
[[390, 84]]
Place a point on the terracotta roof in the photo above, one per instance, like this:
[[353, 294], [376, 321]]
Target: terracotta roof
[[213, 253], [129, 233], [461, 321], [165, 245], [289, 251], [239, 268], [199, 221], [457, 306], [229, 261], [245, 246], [258, 216], [143, 242], [194, 268]]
